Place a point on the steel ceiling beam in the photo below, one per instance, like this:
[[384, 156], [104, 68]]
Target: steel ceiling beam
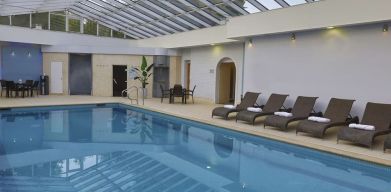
[[159, 17], [120, 26], [236, 7], [153, 5], [117, 11], [215, 8], [282, 3], [258, 5], [201, 11], [187, 14], [145, 18]]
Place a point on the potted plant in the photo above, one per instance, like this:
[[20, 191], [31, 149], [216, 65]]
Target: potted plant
[[142, 73]]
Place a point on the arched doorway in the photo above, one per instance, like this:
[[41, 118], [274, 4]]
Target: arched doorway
[[225, 81]]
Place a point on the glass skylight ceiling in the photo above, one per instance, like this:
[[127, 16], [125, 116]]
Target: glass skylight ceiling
[[149, 18]]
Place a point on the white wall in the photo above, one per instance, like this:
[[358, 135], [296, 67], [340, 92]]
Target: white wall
[[64, 42], [352, 63], [205, 58]]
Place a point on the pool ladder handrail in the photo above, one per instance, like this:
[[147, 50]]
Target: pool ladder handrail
[[128, 90]]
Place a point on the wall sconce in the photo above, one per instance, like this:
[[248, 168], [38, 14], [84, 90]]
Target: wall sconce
[[250, 42], [13, 53], [29, 54], [385, 27], [293, 36]]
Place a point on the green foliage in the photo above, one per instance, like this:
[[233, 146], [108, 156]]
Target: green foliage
[[143, 72]]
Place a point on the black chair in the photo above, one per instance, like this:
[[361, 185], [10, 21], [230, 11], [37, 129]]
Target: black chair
[[3, 84], [11, 88], [28, 86], [190, 93], [35, 87], [165, 93], [177, 91]]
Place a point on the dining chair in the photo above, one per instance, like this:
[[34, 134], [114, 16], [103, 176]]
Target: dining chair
[[177, 91], [190, 93], [165, 93], [3, 87]]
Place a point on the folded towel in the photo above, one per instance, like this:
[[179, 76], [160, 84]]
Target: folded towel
[[254, 109], [362, 126], [319, 119], [230, 106], [283, 114]]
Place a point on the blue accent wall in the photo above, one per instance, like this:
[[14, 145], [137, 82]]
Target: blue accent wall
[[21, 61]]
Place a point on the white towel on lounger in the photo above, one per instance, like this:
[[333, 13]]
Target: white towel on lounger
[[362, 126], [283, 114], [230, 106], [254, 109], [319, 119]]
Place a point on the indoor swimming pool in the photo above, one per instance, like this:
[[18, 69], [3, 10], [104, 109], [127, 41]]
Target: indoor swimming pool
[[115, 147]]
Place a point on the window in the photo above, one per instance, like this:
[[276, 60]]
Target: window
[[104, 31], [21, 20], [40, 20], [118, 34], [74, 25], [90, 27], [57, 21], [4, 20]]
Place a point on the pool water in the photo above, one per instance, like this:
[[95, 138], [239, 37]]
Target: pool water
[[114, 147]]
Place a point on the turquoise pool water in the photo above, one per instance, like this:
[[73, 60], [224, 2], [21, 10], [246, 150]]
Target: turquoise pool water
[[114, 147]]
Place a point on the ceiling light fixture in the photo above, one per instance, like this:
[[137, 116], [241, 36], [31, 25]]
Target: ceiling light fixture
[[385, 27], [293, 36], [250, 42], [330, 27]]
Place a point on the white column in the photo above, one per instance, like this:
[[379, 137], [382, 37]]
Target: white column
[[31, 21], [66, 22], [49, 21]]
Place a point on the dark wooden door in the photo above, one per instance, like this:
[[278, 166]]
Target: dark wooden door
[[119, 79]]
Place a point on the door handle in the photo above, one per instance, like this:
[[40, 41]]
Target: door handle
[[115, 81]]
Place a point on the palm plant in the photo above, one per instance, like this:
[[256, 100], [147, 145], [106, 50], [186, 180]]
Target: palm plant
[[143, 73]]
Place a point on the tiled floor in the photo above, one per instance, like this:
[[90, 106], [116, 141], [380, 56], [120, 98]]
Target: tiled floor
[[202, 112]]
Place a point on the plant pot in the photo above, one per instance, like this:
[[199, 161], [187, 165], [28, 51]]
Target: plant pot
[[144, 92]]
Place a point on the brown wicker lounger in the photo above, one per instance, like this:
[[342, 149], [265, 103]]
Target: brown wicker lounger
[[376, 114], [273, 104], [387, 143], [337, 111], [250, 98], [301, 110]]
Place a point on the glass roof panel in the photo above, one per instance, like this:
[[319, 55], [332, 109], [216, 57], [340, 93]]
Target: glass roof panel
[[270, 4], [148, 18], [295, 2], [250, 7]]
